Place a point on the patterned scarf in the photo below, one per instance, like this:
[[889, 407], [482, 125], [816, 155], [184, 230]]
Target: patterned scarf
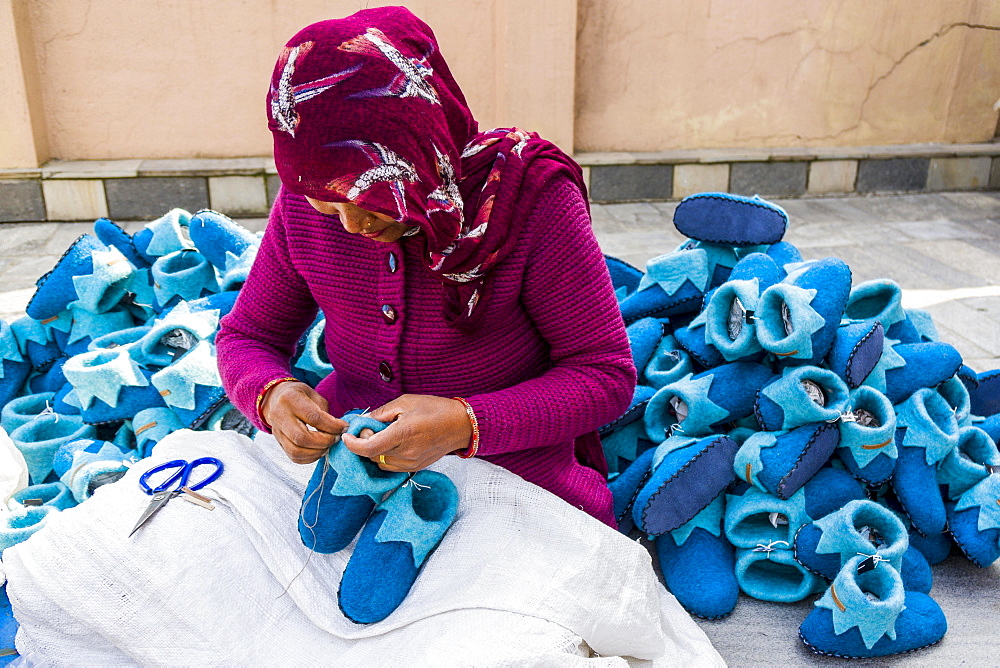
[[364, 109]]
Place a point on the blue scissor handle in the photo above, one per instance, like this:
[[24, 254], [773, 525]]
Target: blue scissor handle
[[180, 477]]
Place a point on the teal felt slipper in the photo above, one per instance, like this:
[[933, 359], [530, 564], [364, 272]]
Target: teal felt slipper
[[800, 395], [110, 385], [868, 436], [151, 425], [14, 368], [87, 464], [781, 462], [183, 275], [174, 333], [974, 521], [769, 572], [955, 393], [395, 544], [24, 409], [866, 614], [54, 494], [18, 525], [191, 386], [88, 326], [39, 439], [311, 363], [163, 236], [974, 457], [669, 364], [881, 300]]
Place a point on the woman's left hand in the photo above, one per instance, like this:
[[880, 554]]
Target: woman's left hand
[[423, 429]]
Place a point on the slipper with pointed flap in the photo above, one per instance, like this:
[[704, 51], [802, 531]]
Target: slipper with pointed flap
[[870, 614], [691, 339], [732, 220], [673, 283], [798, 318], [88, 464], [882, 300], [162, 236], [342, 493], [623, 275], [191, 386], [698, 564], [635, 412], [41, 342], [622, 447], [954, 392], [669, 363], [924, 365], [395, 544], [974, 521], [311, 363], [783, 253], [781, 462], [24, 409], [89, 275], [18, 525], [111, 234], [14, 369], [926, 431], [183, 275], [856, 350], [53, 494], [868, 436], [110, 385], [686, 475], [230, 247], [800, 395], [88, 326], [39, 439], [174, 333], [974, 457], [770, 573], [151, 425], [643, 338], [703, 403]]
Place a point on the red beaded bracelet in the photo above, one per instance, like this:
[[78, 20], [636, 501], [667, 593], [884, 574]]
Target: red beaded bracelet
[[474, 445], [265, 390]]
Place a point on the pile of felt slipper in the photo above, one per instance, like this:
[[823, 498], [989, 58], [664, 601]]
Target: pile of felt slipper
[[793, 434], [117, 351]]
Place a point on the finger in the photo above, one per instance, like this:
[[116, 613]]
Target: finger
[[366, 433], [390, 411], [377, 444], [311, 414], [300, 455], [296, 433], [393, 464]]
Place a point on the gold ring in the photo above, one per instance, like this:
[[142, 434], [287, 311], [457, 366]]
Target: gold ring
[[381, 460]]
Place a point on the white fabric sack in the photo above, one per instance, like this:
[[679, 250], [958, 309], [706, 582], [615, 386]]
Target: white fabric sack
[[522, 578], [13, 470]]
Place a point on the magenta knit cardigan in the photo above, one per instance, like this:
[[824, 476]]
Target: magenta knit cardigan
[[550, 364]]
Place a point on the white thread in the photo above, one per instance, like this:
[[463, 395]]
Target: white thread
[[305, 501], [876, 557], [769, 548], [48, 410], [418, 486]]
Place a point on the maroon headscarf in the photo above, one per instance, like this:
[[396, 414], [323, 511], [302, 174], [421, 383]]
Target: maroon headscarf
[[364, 109]]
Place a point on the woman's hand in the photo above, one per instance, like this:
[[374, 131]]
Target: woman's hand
[[289, 408], [423, 429]]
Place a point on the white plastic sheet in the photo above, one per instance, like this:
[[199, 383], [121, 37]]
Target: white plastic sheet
[[13, 470], [522, 578]]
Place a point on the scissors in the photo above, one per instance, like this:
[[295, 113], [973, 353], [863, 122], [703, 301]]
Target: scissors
[[175, 484]]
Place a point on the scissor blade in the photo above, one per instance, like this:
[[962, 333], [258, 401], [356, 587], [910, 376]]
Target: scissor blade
[[155, 503]]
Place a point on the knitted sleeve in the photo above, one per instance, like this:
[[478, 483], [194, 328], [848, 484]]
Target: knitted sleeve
[[568, 294], [257, 340]]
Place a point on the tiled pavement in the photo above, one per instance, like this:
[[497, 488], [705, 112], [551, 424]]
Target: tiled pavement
[[943, 249]]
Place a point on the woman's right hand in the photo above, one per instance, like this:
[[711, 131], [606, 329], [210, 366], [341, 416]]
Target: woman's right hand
[[289, 408]]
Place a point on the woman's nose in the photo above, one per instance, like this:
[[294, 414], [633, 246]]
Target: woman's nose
[[353, 222]]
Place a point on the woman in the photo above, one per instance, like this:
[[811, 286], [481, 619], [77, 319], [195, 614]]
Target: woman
[[448, 263]]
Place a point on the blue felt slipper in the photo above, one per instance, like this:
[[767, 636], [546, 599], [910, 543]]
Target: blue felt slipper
[[174, 333], [783, 254], [860, 527], [686, 475], [111, 234], [668, 364], [18, 525], [955, 393], [230, 247], [39, 439], [54, 494], [191, 386], [856, 349], [395, 544], [151, 425], [935, 548], [869, 614], [926, 432], [311, 363], [882, 300], [110, 385], [624, 277], [974, 457], [868, 436], [781, 462], [622, 446], [800, 395], [14, 368], [703, 403], [163, 236], [24, 409], [698, 564], [88, 326], [626, 485], [87, 464], [924, 365], [183, 275], [643, 338], [89, 275], [342, 493], [635, 412], [123, 338], [729, 319], [798, 318], [673, 283], [756, 517], [769, 572], [974, 521], [733, 220], [985, 397], [691, 339], [40, 343]]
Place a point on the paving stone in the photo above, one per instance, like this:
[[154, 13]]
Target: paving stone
[[21, 200], [74, 199], [238, 195], [964, 256], [273, 185], [832, 176], [693, 179], [151, 197], [623, 183], [892, 175], [769, 179], [26, 238], [958, 173], [934, 230], [970, 324]]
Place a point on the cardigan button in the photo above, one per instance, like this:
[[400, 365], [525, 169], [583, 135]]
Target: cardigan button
[[385, 371], [393, 263], [388, 314]]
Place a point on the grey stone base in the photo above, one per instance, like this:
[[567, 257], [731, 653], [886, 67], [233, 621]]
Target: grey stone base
[[146, 189]]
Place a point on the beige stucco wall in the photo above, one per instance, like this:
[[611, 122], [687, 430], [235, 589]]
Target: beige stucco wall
[[107, 79], [655, 75], [187, 78]]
